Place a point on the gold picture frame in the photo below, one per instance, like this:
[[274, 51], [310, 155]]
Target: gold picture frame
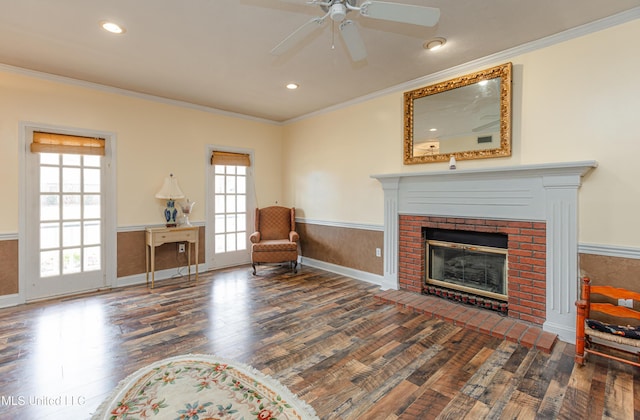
[[468, 117]]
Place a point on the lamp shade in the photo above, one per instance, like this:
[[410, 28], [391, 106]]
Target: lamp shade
[[170, 189]]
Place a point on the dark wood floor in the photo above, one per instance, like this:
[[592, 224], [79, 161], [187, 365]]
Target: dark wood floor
[[321, 334]]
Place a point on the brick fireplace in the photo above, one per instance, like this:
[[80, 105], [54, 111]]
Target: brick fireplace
[[535, 205], [526, 276]]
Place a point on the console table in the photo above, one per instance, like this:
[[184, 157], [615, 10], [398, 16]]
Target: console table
[[159, 236]]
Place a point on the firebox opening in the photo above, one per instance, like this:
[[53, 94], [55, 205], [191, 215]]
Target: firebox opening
[[471, 262]]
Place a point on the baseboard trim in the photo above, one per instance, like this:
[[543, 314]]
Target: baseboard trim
[[170, 273], [566, 334], [11, 300], [137, 279], [345, 271]]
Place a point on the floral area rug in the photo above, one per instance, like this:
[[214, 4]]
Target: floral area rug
[[202, 387]]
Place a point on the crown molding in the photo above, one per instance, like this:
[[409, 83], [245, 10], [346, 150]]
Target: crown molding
[[489, 60], [576, 32], [133, 94]]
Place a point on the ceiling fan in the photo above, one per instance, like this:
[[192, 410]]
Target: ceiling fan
[[337, 11]]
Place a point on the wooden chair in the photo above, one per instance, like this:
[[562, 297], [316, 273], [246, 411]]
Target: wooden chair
[[612, 339]]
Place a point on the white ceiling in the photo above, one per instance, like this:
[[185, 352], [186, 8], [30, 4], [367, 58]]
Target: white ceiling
[[216, 53]]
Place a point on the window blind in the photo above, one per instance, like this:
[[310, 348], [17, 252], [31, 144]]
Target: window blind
[[68, 144], [229, 158]]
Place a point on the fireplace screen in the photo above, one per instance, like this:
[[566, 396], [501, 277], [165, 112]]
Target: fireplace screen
[[473, 269]]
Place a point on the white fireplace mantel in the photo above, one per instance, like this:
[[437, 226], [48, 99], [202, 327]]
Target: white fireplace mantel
[[544, 192]]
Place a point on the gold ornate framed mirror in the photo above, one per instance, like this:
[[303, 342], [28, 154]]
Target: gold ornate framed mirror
[[468, 117]]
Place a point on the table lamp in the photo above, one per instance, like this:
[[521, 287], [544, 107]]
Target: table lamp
[[170, 191]]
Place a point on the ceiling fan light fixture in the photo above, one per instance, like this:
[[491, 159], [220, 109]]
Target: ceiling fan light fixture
[[112, 27], [338, 12], [434, 44]]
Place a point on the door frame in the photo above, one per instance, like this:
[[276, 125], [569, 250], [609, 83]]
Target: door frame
[[109, 193], [209, 209]]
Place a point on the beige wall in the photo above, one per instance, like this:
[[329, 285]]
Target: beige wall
[[577, 100], [153, 139], [329, 158]]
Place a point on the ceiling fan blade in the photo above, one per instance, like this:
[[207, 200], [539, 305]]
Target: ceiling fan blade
[[352, 39], [298, 35], [397, 12]]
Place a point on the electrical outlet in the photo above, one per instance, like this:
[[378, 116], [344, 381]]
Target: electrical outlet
[[378, 252], [181, 248], [625, 302]]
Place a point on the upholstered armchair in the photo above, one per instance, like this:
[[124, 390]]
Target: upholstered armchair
[[275, 239]]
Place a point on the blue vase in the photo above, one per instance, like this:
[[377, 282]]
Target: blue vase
[[170, 213]]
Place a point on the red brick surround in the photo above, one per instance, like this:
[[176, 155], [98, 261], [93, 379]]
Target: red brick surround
[[526, 261]]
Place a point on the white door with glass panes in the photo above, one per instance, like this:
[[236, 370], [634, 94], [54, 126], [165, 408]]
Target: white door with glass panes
[[65, 224], [231, 218]]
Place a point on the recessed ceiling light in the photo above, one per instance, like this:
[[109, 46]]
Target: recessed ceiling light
[[112, 27], [434, 44], [292, 86]]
